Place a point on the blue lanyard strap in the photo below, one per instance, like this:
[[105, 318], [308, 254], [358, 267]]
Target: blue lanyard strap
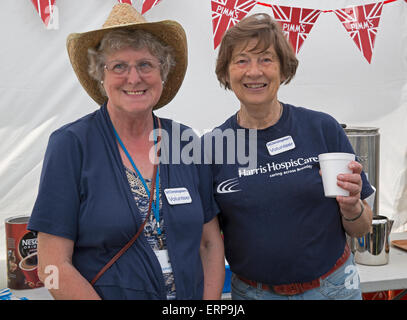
[[156, 204]]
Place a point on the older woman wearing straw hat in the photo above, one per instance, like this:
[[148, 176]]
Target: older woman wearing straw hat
[[116, 221]]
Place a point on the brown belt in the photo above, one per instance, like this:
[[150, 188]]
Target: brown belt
[[296, 288]]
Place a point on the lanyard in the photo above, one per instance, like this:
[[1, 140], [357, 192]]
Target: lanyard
[[156, 205]]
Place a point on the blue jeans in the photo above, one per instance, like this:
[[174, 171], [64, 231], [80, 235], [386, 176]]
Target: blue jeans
[[343, 284]]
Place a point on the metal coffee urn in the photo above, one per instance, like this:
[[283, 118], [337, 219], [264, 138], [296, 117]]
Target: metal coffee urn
[[366, 144]]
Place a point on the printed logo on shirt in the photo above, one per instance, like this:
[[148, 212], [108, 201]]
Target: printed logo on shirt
[[280, 168], [273, 169], [227, 186]]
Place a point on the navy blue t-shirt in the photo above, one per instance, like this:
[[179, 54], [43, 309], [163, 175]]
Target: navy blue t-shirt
[[278, 226], [84, 195]]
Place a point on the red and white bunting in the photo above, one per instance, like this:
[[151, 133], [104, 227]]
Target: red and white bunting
[[45, 9], [362, 24], [296, 23], [226, 13], [148, 4]]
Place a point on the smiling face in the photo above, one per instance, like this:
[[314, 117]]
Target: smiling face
[[132, 92], [254, 76]]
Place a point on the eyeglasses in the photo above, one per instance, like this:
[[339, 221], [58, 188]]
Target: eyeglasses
[[262, 63], [121, 68]]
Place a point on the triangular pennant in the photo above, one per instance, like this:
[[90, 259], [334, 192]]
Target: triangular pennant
[[362, 25], [148, 4], [226, 13], [45, 9], [126, 1], [296, 23]]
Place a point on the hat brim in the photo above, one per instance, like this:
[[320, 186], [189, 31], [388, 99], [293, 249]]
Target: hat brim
[[168, 31]]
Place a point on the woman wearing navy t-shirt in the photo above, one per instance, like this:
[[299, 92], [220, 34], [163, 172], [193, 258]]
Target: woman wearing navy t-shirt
[[283, 238]]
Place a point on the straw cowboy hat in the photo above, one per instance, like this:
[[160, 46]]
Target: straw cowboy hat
[[124, 16]]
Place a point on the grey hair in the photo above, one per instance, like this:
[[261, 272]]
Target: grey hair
[[135, 39]]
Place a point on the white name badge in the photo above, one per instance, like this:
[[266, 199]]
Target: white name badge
[[164, 260], [280, 145], [177, 196]]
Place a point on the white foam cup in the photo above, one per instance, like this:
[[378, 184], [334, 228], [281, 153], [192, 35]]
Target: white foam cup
[[332, 164]]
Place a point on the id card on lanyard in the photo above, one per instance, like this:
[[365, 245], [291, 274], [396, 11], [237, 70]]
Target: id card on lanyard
[[164, 260]]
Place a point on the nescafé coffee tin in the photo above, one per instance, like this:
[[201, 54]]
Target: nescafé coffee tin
[[21, 254]]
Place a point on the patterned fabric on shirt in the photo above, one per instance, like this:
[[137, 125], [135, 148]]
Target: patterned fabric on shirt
[[150, 229]]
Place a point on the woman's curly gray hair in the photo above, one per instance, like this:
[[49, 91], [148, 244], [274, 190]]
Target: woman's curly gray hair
[[121, 39]]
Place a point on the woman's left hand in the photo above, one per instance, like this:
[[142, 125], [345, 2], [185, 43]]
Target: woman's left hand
[[350, 206]]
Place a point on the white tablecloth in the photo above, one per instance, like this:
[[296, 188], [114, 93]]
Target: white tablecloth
[[391, 276]]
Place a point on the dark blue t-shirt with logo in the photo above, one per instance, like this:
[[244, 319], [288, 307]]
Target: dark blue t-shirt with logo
[[278, 226]]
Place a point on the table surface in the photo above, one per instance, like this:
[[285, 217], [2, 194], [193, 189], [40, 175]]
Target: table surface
[[391, 276]]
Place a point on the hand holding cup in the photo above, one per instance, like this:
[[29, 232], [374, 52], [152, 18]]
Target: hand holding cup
[[333, 164], [341, 177], [352, 182]]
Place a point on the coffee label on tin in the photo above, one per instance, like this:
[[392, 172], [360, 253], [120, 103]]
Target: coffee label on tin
[[21, 254]]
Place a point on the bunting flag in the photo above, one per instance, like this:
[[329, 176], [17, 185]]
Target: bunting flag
[[362, 24], [296, 23], [44, 9], [226, 13], [148, 4]]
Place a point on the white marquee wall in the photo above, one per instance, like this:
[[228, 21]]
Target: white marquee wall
[[39, 91]]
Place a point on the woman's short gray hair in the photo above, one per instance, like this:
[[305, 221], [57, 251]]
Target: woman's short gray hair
[[121, 39]]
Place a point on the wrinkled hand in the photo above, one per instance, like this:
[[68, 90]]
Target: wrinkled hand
[[352, 182]]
